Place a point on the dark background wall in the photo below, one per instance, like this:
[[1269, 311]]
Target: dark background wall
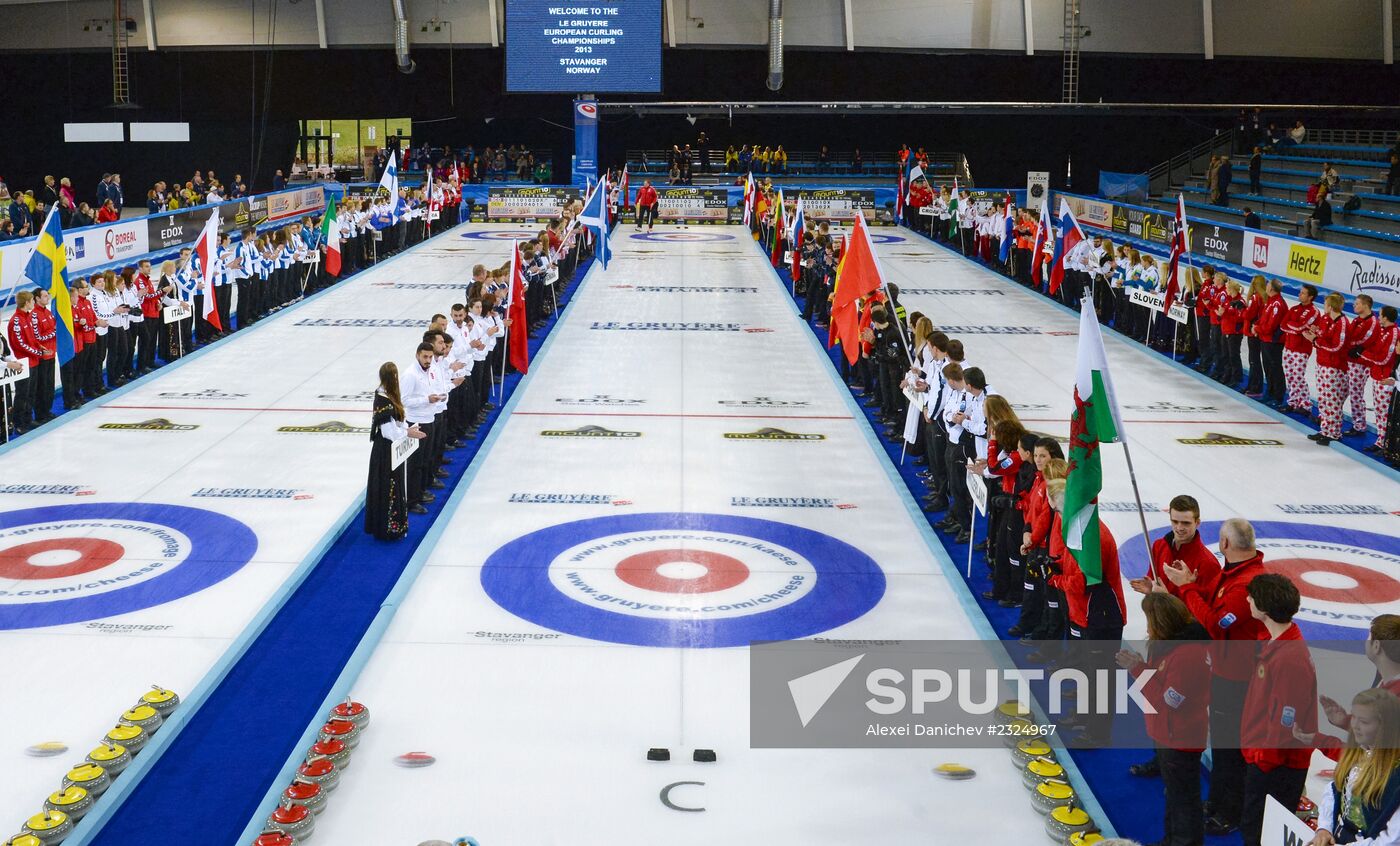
[[243, 106]]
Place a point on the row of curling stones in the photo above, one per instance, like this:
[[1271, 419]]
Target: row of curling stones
[[85, 783], [294, 820], [1044, 777]]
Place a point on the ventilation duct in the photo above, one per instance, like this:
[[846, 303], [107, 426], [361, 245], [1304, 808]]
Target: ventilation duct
[[405, 62], [775, 44]]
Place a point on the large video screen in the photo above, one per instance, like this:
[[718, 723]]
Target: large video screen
[[560, 46]]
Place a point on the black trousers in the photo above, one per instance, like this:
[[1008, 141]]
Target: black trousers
[[1184, 824], [72, 373], [92, 371], [223, 294], [118, 354], [1283, 783], [646, 216], [959, 500], [1008, 576], [1099, 645], [417, 462], [935, 446], [1032, 592], [1273, 370], [1233, 371], [22, 411], [44, 389], [245, 303], [1227, 763], [1256, 365], [150, 329]]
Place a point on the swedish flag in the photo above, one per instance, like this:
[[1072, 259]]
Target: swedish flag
[[48, 268]]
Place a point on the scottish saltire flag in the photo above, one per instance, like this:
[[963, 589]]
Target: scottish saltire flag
[[1008, 230], [1096, 420], [48, 268], [1069, 238], [595, 217]]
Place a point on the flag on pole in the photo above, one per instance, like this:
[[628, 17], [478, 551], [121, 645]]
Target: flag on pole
[[207, 249], [953, 204], [799, 226], [595, 217], [899, 200], [48, 268], [1008, 230], [519, 342], [389, 181], [776, 231], [831, 339], [330, 234], [1043, 236], [749, 193], [1069, 238], [858, 277], [1181, 245], [1096, 420], [625, 189]]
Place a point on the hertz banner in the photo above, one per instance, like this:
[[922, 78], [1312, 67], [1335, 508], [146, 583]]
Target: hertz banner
[[541, 204], [1330, 268]]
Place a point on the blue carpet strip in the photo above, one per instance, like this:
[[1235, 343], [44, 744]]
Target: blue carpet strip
[[210, 780]]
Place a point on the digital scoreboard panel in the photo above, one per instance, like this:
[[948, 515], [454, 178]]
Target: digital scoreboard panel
[[563, 47]]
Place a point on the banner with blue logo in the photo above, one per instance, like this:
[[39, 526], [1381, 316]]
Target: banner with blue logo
[[585, 141], [1123, 186]]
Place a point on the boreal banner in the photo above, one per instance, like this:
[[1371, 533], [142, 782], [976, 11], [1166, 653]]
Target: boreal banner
[[540, 204], [838, 205], [693, 205]]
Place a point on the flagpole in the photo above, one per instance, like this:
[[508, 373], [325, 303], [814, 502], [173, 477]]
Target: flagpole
[[1137, 495]]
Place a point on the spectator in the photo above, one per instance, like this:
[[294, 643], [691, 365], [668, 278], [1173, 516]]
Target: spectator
[[21, 217], [1251, 220], [83, 216], [104, 189], [1328, 176], [1213, 180], [1256, 167], [745, 159], [7, 229], [702, 148], [1321, 216], [823, 159], [1225, 177], [48, 194], [108, 213], [278, 180], [1392, 178], [857, 163], [1297, 135], [731, 159], [780, 160]]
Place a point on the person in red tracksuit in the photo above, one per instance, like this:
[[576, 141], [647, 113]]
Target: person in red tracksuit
[[1205, 343], [1096, 613], [46, 333], [152, 310], [1360, 330], [1232, 323], [1043, 609], [1179, 692], [1383, 650], [1182, 545], [1297, 349], [1222, 607], [920, 195], [1253, 311], [646, 205], [84, 337], [1282, 699], [1003, 462], [25, 347], [1380, 355], [1329, 337], [1269, 331]]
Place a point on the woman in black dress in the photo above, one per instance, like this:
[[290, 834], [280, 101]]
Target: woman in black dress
[[386, 499]]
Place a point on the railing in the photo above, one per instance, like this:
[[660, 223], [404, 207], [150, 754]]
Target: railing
[[942, 166], [1367, 137], [1174, 171]]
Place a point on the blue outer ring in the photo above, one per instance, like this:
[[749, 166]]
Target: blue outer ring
[[220, 547], [1133, 558], [849, 584], [876, 238], [486, 235], [693, 237]]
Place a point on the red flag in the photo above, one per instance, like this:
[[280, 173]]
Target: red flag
[[519, 350], [1179, 248], [207, 248], [858, 277]]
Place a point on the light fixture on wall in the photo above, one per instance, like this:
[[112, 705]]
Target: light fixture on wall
[[690, 119]]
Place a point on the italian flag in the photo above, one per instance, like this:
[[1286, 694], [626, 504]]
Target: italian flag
[[330, 236], [953, 204], [1096, 420]]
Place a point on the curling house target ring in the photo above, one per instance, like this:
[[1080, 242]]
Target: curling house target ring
[[683, 580], [887, 239], [501, 235], [1345, 576], [73, 563], [681, 236]]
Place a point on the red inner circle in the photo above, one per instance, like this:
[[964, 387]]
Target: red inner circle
[[643, 571], [94, 554], [1372, 586]]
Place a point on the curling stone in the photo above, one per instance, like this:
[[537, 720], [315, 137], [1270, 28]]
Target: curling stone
[[1049, 795], [336, 750], [111, 757], [24, 840], [1065, 822], [307, 793], [131, 738], [89, 777], [319, 770], [1084, 838], [164, 701], [1012, 710], [1019, 730], [1307, 809], [273, 837], [1030, 749], [73, 801], [351, 710], [51, 827], [1039, 771], [343, 730], [142, 716], [294, 820]]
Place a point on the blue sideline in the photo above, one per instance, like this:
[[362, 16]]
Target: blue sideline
[[374, 633], [254, 703], [943, 551]]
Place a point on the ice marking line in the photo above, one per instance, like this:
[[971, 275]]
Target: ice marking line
[[665, 414]]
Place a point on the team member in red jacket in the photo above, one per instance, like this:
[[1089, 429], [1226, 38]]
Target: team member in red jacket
[[1329, 337], [920, 195], [1003, 462], [1269, 331], [1360, 330], [25, 347], [1232, 326], [1297, 349], [1205, 340], [152, 311], [1253, 311], [46, 333], [1182, 545], [1036, 510], [1379, 355], [1383, 650], [74, 371], [1222, 608], [1282, 698], [1179, 692], [1096, 613], [646, 205]]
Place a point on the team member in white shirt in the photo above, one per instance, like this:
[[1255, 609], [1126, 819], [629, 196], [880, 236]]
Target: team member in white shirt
[[104, 305], [460, 407], [132, 297], [422, 389], [967, 440]]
